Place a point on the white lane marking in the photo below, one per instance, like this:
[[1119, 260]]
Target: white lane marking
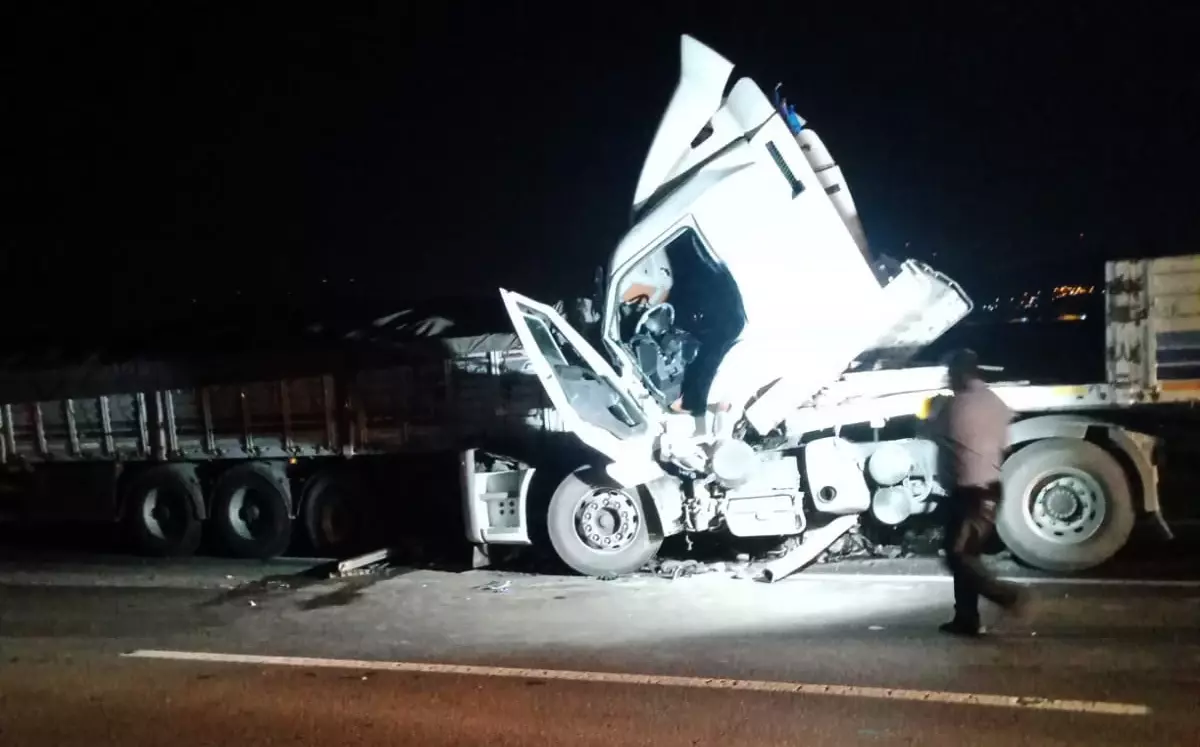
[[710, 683], [1036, 580]]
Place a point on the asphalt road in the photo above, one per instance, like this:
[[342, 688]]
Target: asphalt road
[[825, 658]]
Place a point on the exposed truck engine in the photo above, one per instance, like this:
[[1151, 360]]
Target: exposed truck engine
[[745, 328]]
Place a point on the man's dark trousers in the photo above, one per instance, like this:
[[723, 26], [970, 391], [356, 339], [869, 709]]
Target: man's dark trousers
[[970, 521]]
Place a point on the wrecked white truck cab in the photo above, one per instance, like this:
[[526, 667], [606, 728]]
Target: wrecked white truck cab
[[743, 314]]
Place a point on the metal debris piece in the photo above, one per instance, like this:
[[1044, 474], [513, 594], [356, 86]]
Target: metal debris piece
[[360, 561], [816, 541], [674, 569], [496, 587], [853, 545]]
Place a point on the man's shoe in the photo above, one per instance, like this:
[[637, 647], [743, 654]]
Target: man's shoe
[[963, 629]]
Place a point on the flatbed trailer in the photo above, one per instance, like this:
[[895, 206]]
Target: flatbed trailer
[[247, 459]]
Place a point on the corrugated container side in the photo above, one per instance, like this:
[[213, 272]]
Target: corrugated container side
[[1153, 328]]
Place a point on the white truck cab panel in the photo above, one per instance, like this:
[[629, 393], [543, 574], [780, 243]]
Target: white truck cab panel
[[702, 77]]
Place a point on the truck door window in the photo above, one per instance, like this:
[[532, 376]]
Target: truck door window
[[594, 398]]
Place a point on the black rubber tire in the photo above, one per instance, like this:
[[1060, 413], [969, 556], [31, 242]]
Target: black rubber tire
[[171, 488], [570, 547], [337, 515], [1025, 466], [270, 533]]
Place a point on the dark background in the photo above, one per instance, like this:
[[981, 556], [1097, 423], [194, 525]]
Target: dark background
[[170, 161]]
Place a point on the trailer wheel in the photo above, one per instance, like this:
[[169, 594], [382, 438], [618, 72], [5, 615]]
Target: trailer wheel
[[337, 515], [598, 528], [160, 511], [1067, 505], [250, 512]]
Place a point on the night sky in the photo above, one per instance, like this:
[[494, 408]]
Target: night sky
[[161, 156]]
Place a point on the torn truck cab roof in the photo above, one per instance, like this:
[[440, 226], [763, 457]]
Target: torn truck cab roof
[[698, 94]]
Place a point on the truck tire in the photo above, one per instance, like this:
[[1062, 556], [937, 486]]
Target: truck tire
[[250, 513], [598, 528], [1067, 505], [160, 510], [337, 515]]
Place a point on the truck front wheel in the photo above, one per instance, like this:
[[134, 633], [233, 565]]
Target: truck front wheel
[[1067, 505], [598, 528]]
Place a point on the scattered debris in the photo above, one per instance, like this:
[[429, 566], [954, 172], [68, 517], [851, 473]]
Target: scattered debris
[[816, 541], [674, 569], [926, 541], [362, 561], [346, 586], [496, 587], [787, 546], [854, 544]]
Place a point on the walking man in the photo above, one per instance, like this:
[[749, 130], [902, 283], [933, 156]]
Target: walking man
[[973, 431]]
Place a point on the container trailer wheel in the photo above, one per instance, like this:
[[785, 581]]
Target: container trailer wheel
[[161, 511], [250, 512], [1067, 505], [598, 528]]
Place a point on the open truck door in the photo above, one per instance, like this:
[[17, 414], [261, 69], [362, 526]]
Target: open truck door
[[588, 394]]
